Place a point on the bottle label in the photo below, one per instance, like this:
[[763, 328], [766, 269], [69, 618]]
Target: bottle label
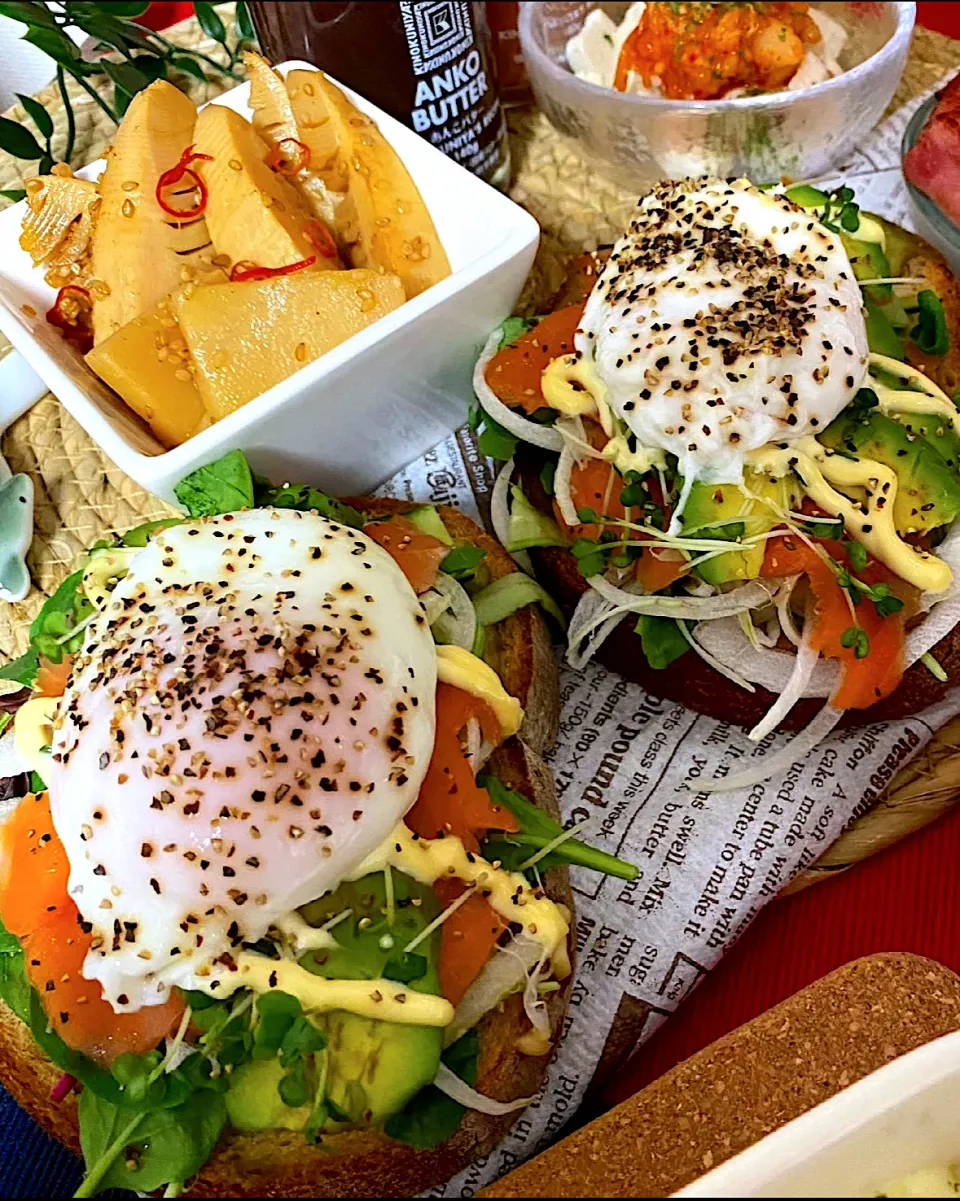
[[454, 107]]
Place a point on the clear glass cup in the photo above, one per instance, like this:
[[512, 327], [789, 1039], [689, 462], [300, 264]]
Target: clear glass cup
[[798, 134]]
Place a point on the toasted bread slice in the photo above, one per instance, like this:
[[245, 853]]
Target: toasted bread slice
[[281, 1163]]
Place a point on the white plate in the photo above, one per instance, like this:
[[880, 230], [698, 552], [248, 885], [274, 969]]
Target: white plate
[[362, 411], [898, 1120]]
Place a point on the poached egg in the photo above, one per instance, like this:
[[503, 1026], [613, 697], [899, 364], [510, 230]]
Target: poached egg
[[726, 318], [251, 715]]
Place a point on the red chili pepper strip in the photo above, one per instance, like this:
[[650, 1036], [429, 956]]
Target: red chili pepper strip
[[71, 314], [289, 162], [241, 274], [169, 178], [321, 238]]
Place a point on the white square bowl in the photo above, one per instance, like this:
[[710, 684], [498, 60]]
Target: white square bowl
[[900, 1119], [359, 413]]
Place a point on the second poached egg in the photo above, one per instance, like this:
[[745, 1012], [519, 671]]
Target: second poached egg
[[726, 318]]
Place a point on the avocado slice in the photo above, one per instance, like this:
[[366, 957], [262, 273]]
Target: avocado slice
[[935, 430], [882, 338], [374, 1068], [807, 196], [253, 1102], [725, 511], [928, 492], [869, 262]]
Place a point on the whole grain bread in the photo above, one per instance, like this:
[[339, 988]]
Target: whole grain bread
[[280, 1163], [690, 681]]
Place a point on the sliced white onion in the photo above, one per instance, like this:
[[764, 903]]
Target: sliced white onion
[[457, 624], [502, 975], [716, 664], [182, 1051], [574, 435], [561, 485], [774, 765], [530, 431], [434, 603], [581, 650], [784, 613], [768, 667], [723, 604], [534, 1005], [458, 1090], [500, 503], [472, 739], [804, 661]]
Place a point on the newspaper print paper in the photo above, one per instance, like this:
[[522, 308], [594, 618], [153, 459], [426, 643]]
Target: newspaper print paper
[[631, 762]]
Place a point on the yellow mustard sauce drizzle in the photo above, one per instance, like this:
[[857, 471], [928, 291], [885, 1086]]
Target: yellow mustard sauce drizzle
[[571, 385], [384, 999], [33, 730], [931, 400], [818, 469], [508, 893]]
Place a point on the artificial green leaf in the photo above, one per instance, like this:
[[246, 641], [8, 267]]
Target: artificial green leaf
[[56, 45], [38, 114], [432, 1117], [128, 8], [28, 14], [14, 194], [662, 640], [245, 29], [18, 141], [101, 21], [189, 66], [223, 486], [210, 22], [127, 80]]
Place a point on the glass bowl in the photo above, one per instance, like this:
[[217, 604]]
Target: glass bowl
[[796, 134], [931, 221]]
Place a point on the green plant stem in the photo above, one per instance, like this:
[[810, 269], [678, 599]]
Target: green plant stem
[[71, 119], [91, 1182], [95, 95], [183, 50]]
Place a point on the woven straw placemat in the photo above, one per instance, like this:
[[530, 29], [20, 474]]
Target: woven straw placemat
[[80, 494]]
